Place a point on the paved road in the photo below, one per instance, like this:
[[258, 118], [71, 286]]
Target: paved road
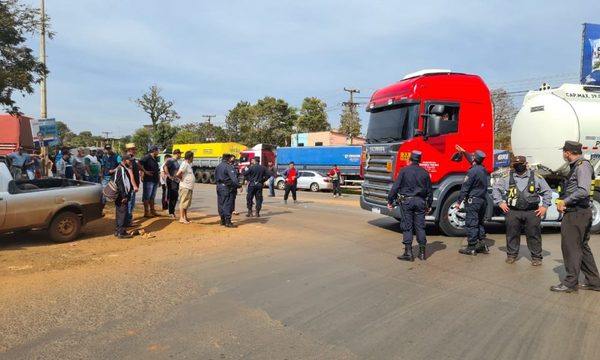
[[320, 280]]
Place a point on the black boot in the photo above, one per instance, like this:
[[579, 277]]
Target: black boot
[[223, 222], [469, 250], [408, 255], [421, 252], [482, 247], [230, 225], [249, 214], [257, 213]]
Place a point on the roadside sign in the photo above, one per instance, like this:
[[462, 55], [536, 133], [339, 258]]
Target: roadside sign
[[44, 132]]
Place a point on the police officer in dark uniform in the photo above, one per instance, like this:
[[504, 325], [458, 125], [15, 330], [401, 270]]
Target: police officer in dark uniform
[[574, 203], [412, 190], [474, 192], [518, 194], [227, 185], [255, 175]]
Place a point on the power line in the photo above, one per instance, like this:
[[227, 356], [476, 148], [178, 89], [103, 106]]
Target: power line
[[208, 117]]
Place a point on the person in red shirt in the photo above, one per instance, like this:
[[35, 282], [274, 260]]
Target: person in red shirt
[[291, 176], [336, 175]]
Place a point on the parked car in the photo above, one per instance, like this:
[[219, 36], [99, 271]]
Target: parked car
[[309, 180]]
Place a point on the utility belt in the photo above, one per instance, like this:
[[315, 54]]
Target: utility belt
[[576, 208], [528, 208], [474, 199]]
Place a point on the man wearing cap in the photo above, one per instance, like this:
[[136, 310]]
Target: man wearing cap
[[151, 170], [171, 167], [227, 185], [255, 175], [79, 165], [473, 192], [92, 166], [413, 188], [131, 150], [518, 194], [574, 204], [110, 161]]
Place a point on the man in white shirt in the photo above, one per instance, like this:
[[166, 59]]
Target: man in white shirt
[[186, 186]]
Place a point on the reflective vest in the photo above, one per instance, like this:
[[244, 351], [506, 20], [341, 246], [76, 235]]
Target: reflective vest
[[528, 199], [562, 187]]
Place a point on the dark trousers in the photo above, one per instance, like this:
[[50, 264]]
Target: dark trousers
[[475, 217], [336, 187], [517, 221], [289, 188], [120, 216], [172, 195], [226, 200], [165, 197], [577, 255], [413, 210], [255, 191]]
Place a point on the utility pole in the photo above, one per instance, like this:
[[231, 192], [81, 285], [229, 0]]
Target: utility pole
[[208, 117], [106, 133], [351, 105], [44, 109]]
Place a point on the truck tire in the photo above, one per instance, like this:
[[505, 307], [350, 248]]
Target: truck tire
[[595, 229], [205, 177], [212, 178], [281, 185], [65, 227], [198, 176], [452, 220], [314, 187]]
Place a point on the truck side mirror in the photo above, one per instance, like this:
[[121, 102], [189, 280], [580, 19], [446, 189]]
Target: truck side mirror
[[457, 156], [433, 125]]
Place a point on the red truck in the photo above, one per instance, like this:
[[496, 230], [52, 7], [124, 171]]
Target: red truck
[[432, 111], [16, 132], [264, 151]]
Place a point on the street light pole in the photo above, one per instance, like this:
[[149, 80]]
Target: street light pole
[[44, 109]]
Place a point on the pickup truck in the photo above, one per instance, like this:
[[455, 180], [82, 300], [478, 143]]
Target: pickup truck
[[61, 206]]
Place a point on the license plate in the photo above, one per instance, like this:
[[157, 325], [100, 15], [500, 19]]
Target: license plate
[[376, 210]]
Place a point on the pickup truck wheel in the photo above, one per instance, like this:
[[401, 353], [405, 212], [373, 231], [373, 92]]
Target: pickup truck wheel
[[65, 226], [595, 214], [452, 219], [281, 185], [314, 187]]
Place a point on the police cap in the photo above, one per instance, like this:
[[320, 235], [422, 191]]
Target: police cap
[[572, 146], [415, 155], [519, 160], [479, 156]]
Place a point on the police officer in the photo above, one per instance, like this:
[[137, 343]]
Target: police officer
[[473, 192], [518, 195], [574, 203], [413, 187], [227, 185], [255, 175]]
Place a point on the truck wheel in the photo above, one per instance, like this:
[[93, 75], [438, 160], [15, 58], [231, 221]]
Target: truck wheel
[[65, 226], [281, 185], [205, 177], [452, 219], [198, 176], [212, 179], [595, 214], [314, 187]]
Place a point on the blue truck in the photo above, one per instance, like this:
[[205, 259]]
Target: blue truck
[[322, 159]]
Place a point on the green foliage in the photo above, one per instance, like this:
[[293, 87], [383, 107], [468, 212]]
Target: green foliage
[[19, 69], [158, 109], [85, 139], [142, 139], [64, 133], [350, 123], [200, 133], [313, 116], [504, 114], [240, 123], [163, 135]]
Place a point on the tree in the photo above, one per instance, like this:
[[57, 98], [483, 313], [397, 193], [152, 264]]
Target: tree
[[142, 138], [159, 109], [350, 122], [163, 135], [241, 122], [275, 119], [19, 69], [504, 114], [185, 137], [64, 133], [313, 116]]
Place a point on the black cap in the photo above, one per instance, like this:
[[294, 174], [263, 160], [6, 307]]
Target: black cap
[[479, 156], [176, 151], [415, 155], [153, 148], [572, 146], [519, 160]]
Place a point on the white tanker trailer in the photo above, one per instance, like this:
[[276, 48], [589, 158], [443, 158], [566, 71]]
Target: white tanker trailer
[[548, 118]]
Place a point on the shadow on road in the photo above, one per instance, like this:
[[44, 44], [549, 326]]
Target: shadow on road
[[524, 252]]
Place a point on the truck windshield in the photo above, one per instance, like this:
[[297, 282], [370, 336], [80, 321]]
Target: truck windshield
[[244, 158], [392, 124]]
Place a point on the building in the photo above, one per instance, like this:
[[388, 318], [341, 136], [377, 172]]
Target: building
[[324, 138]]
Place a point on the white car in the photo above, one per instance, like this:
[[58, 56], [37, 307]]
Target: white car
[[310, 180]]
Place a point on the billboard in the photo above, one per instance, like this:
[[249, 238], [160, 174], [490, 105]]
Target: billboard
[[590, 55], [44, 130]]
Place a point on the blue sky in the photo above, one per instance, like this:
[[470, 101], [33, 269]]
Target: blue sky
[[208, 55]]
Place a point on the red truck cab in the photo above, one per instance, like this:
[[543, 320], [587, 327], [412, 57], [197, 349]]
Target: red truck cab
[[432, 111], [264, 151]]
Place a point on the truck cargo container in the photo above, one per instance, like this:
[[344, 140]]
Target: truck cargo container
[[16, 132], [207, 156], [322, 159]]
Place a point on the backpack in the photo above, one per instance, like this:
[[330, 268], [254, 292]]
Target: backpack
[[111, 191]]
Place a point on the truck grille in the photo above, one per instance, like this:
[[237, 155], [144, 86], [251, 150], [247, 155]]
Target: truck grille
[[378, 177]]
